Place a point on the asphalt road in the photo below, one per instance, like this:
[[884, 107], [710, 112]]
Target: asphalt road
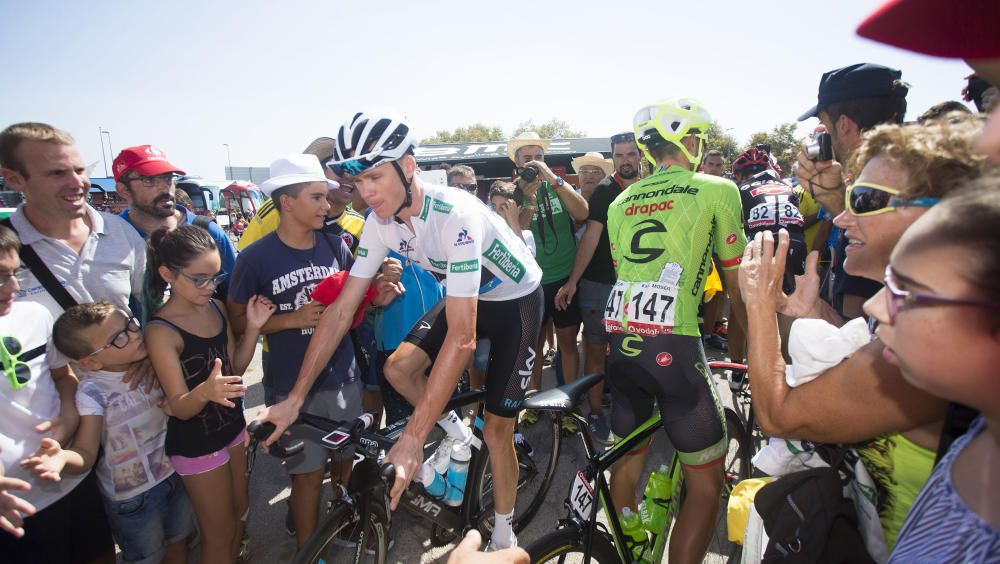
[[269, 492]]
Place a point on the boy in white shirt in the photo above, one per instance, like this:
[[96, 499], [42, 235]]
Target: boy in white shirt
[[37, 403], [145, 500]]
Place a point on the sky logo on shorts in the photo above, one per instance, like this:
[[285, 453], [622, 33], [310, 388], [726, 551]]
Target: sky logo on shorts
[[664, 359], [463, 237]]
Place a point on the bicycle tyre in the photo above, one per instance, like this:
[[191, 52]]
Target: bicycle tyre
[[534, 479], [322, 546], [736, 468], [566, 546]]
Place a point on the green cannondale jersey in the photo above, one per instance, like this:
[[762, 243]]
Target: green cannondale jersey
[[662, 231]]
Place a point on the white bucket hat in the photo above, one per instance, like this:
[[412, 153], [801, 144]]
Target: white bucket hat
[[526, 139], [594, 159], [295, 169]]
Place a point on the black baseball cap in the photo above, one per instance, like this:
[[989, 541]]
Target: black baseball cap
[[861, 80]]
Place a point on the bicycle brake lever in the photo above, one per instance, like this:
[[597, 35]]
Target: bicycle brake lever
[[388, 474], [282, 451], [261, 430]]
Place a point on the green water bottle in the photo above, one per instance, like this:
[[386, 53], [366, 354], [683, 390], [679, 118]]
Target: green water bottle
[[636, 537], [656, 503]]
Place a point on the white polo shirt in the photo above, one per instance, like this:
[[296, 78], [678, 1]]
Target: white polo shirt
[[109, 267]]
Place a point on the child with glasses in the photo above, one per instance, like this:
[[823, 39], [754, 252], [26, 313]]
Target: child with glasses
[[144, 498], [199, 363], [36, 405]]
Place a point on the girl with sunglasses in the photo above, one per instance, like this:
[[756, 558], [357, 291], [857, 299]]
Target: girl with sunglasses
[[198, 363], [939, 321], [899, 171]]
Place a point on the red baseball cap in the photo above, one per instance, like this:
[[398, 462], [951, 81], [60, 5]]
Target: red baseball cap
[[147, 160], [965, 29], [326, 293]]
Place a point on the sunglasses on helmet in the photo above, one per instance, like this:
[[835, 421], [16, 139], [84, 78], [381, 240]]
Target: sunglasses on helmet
[[864, 199]]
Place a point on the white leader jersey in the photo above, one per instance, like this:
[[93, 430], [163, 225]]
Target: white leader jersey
[[459, 240]]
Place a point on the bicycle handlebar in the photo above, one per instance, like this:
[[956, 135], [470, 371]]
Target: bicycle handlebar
[[260, 431], [339, 434]]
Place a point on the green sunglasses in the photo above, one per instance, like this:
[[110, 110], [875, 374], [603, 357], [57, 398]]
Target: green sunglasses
[[15, 361]]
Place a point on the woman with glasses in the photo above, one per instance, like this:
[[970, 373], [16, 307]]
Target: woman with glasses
[[938, 318], [899, 172]]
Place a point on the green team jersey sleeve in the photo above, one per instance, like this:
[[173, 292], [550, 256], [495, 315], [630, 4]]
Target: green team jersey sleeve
[[730, 239]]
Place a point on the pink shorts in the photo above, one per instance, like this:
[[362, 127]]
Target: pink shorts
[[199, 465]]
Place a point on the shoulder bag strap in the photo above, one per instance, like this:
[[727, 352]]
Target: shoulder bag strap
[[42, 272]]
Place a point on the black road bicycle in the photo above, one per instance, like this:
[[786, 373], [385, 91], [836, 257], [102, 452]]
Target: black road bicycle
[[580, 537], [366, 499]]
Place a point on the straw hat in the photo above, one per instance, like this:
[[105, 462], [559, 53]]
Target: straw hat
[[526, 139], [594, 159]]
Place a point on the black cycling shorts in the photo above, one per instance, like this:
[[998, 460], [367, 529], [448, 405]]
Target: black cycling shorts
[[512, 327], [672, 371]]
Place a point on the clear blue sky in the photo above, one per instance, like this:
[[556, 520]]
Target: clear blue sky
[[268, 77]]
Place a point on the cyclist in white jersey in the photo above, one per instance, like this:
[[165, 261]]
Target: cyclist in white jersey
[[492, 291]]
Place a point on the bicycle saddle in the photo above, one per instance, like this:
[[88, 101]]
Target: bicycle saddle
[[563, 398]]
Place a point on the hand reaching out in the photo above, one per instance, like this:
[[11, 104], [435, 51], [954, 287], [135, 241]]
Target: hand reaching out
[[221, 389], [47, 462], [259, 310]]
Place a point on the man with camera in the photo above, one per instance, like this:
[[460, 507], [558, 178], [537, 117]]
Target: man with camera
[[851, 100], [551, 208], [593, 272]]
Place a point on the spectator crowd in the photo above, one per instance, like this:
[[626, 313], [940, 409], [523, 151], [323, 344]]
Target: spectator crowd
[[860, 287]]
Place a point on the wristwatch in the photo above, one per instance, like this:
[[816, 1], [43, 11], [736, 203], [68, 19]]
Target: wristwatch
[[560, 182]]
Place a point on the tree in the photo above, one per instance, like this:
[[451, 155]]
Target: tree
[[722, 140], [476, 132], [552, 129], [784, 145]]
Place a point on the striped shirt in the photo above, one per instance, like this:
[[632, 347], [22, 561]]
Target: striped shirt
[[940, 526]]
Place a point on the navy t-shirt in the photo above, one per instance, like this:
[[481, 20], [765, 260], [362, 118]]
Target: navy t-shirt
[[287, 276]]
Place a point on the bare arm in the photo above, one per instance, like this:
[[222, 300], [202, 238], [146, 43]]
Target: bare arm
[[304, 317], [63, 427], [50, 461], [860, 398], [164, 346], [241, 351], [737, 307], [575, 204], [584, 253], [330, 330]]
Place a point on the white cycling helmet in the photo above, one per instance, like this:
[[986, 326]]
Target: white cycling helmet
[[370, 139], [669, 122]]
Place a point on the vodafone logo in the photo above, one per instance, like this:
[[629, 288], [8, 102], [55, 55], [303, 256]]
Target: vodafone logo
[[664, 359], [731, 239]]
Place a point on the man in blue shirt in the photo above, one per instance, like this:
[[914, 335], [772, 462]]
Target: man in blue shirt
[[145, 178]]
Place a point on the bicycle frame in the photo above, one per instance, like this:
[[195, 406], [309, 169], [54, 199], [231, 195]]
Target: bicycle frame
[[596, 465]]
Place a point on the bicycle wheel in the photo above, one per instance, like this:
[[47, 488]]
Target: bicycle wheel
[[335, 539], [735, 468], [537, 457], [566, 546]]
